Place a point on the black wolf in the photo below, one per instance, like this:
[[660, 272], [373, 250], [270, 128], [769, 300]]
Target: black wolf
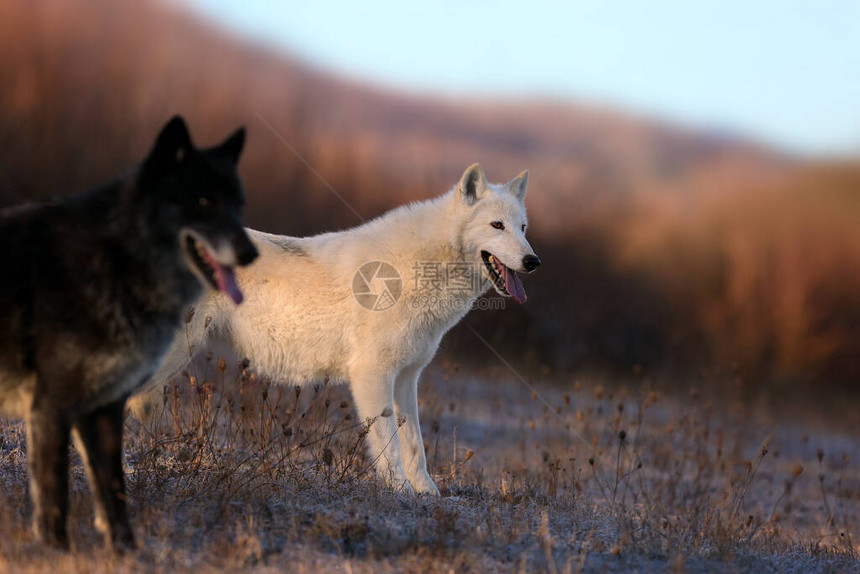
[[94, 287]]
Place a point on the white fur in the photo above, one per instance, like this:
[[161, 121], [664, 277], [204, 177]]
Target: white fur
[[300, 321]]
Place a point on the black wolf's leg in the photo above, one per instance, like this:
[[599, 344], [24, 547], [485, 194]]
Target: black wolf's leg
[[48, 459], [100, 434]]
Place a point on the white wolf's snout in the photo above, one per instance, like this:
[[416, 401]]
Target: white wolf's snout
[[516, 263], [528, 261], [519, 259]]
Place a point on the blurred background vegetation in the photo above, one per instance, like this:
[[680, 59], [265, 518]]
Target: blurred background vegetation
[[669, 253]]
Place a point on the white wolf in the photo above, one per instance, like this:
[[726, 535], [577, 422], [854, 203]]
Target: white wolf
[[344, 306]]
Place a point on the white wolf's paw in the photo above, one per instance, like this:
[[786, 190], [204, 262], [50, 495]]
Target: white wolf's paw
[[423, 484]]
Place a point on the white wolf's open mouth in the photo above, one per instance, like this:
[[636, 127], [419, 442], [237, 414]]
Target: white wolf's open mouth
[[504, 279], [219, 276]]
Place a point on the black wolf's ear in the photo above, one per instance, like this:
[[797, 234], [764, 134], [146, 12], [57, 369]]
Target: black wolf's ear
[[473, 185], [171, 147], [519, 184], [232, 146]]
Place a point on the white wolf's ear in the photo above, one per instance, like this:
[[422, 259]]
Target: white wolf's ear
[[473, 185], [518, 185]]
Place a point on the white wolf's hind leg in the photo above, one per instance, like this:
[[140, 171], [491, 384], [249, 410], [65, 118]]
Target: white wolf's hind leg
[[373, 393], [406, 405]]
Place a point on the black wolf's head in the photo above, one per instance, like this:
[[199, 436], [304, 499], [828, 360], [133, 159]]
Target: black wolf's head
[[196, 195]]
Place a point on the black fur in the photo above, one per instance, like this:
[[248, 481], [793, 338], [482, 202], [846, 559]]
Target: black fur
[[93, 289]]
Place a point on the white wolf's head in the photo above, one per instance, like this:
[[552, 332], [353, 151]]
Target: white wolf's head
[[494, 231]]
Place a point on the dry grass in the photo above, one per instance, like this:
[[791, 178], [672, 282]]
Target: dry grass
[[247, 474]]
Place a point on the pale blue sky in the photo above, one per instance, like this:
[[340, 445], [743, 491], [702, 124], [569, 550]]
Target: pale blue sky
[[788, 76]]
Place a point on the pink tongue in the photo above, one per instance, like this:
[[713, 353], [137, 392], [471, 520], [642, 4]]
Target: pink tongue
[[513, 285], [226, 278]]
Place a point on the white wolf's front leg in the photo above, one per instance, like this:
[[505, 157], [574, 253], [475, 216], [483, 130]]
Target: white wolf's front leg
[[406, 405], [373, 392]]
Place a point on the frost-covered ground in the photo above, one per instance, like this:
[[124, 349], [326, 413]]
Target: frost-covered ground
[[587, 478]]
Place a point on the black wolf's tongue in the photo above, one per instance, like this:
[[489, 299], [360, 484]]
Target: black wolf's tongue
[[513, 285], [226, 278]]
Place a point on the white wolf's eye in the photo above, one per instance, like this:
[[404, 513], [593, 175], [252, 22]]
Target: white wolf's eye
[[497, 225]]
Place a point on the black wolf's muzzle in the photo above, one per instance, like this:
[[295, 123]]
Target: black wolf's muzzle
[[246, 251], [247, 254]]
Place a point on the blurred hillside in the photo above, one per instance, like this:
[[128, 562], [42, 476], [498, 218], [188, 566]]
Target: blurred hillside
[[665, 249]]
